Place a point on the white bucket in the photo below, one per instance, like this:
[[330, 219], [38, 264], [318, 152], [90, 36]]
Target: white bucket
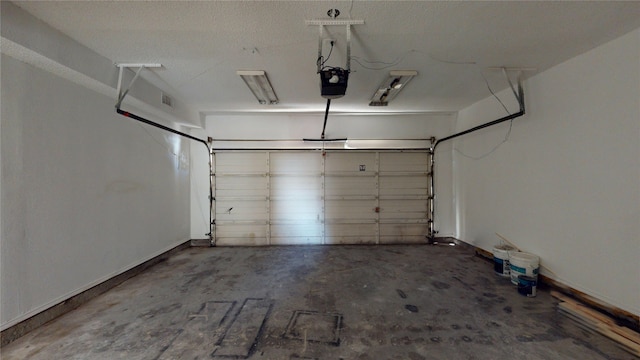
[[521, 263], [501, 259]]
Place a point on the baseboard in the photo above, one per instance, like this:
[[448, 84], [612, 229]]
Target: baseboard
[[200, 243], [622, 317], [23, 327]]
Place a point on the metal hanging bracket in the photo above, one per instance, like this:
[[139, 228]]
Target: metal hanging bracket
[[121, 67], [347, 23], [517, 92]]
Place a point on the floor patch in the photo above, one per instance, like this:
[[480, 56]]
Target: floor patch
[[314, 326], [201, 331], [243, 332]]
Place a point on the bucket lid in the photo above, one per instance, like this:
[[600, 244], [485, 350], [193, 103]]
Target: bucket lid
[[524, 256]]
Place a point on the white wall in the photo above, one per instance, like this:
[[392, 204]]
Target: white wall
[[566, 185], [292, 128], [85, 193]]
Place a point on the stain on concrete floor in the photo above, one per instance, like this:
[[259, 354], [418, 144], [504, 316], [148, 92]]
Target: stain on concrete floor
[[316, 302]]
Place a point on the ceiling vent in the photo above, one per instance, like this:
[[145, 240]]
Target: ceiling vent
[[166, 100]]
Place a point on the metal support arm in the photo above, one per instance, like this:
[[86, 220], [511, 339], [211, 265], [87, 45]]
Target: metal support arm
[[207, 143], [519, 95], [121, 67]]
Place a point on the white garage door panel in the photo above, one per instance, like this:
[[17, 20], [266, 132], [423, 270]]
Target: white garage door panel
[[230, 186], [404, 162], [241, 235], [351, 191], [403, 209], [351, 234], [297, 234], [404, 185], [242, 241], [350, 186], [287, 187], [340, 162], [296, 210], [402, 233], [407, 185], [340, 210], [241, 193], [241, 210], [295, 163], [282, 197], [296, 198], [311, 229], [241, 163], [243, 230]]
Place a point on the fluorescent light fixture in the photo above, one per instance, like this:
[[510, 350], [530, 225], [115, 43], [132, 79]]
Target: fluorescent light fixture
[[390, 88], [259, 84]]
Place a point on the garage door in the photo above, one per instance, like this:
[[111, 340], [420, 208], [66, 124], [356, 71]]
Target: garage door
[[313, 197]]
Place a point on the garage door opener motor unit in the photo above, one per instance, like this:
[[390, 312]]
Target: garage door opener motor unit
[[333, 80]]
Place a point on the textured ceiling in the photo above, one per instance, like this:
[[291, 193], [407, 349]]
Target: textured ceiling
[[451, 44]]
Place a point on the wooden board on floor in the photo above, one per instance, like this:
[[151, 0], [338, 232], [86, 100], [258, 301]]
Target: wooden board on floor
[[594, 320]]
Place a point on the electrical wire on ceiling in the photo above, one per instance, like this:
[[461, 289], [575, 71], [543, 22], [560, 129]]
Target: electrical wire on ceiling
[[474, 63], [227, 57], [492, 92], [507, 135], [385, 65]]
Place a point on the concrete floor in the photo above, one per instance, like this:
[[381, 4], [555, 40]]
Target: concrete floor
[[340, 302]]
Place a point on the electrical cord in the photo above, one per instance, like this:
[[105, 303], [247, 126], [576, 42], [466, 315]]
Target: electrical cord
[[492, 92], [386, 65], [507, 135], [356, 60], [401, 58], [321, 60]]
